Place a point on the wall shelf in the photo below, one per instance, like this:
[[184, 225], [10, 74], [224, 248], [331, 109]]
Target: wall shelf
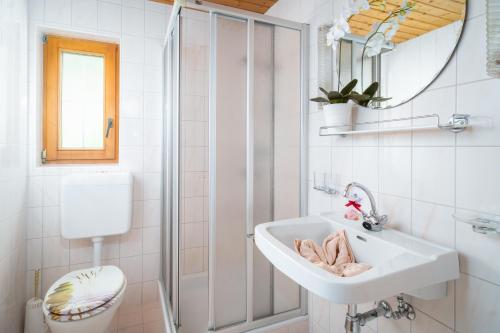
[[456, 124]]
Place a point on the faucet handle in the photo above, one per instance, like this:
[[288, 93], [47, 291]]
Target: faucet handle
[[375, 222]]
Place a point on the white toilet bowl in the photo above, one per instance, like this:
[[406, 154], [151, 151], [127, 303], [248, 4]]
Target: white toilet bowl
[[83, 301]]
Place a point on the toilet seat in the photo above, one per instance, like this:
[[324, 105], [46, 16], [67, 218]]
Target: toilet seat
[[84, 293]]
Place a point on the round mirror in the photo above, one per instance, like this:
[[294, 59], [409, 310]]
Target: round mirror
[[403, 45]]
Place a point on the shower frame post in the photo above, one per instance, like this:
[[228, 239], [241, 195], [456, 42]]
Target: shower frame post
[[175, 171], [250, 165], [304, 134], [212, 159]]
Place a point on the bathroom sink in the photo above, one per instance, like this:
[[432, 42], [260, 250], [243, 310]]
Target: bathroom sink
[[400, 263]]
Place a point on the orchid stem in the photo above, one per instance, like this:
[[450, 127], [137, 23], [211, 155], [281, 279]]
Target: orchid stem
[[391, 15]]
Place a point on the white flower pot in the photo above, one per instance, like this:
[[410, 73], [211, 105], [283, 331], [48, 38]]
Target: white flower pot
[[338, 115], [361, 114]]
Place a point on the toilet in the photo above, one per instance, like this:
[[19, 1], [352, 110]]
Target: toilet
[[94, 206]]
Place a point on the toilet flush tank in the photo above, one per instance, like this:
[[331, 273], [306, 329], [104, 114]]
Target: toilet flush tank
[[96, 204]]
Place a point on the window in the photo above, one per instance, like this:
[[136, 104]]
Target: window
[[81, 96]]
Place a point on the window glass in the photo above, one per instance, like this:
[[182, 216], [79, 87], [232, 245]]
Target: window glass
[[82, 101]]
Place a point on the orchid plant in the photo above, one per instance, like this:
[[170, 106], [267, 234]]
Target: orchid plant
[[382, 32], [385, 31], [348, 93], [336, 97]]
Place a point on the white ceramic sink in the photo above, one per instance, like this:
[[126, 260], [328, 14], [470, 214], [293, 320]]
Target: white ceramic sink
[[400, 263]]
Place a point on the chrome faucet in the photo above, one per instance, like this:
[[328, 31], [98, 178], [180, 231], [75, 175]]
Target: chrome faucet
[[372, 221]]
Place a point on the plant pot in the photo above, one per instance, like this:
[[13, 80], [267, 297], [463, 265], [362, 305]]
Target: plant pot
[[362, 114], [338, 115]]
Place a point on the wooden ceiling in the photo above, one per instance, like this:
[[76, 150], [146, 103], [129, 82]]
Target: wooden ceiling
[[427, 15], [257, 6]]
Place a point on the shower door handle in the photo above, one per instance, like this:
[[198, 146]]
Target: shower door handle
[[251, 236]]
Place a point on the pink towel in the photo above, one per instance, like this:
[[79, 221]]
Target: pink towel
[[334, 256]]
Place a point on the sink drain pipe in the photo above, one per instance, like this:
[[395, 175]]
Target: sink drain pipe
[[354, 320]]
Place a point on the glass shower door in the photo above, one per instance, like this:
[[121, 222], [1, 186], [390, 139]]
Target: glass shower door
[[233, 159], [255, 166], [228, 167], [276, 151], [193, 172]]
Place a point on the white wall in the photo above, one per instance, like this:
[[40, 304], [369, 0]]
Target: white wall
[[13, 162], [414, 63], [420, 179], [139, 26]]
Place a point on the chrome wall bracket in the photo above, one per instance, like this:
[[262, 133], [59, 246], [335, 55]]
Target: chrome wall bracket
[[482, 224], [457, 123], [324, 187]]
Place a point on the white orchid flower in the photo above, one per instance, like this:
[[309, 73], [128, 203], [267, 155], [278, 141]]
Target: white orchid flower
[[392, 32], [394, 24], [358, 5], [339, 29], [330, 40], [375, 44], [365, 5], [384, 26], [341, 25]]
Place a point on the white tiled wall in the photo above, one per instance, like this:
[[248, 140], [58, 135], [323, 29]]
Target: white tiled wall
[[421, 178], [428, 53], [139, 26], [13, 162]]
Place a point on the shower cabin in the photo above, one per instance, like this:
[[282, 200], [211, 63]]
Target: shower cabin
[[235, 106]]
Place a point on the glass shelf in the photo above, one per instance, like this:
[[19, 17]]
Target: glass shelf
[[456, 124]]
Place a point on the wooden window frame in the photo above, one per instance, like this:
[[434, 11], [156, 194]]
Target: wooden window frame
[[53, 48]]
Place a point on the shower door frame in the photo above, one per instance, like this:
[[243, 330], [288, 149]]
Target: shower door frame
[[169, 266], [172, 36]]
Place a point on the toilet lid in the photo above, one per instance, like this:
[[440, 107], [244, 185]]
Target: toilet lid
[[84, 290]]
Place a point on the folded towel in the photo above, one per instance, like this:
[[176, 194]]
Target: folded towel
[[335, 255]]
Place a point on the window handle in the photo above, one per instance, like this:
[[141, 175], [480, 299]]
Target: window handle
[[110, 126]]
